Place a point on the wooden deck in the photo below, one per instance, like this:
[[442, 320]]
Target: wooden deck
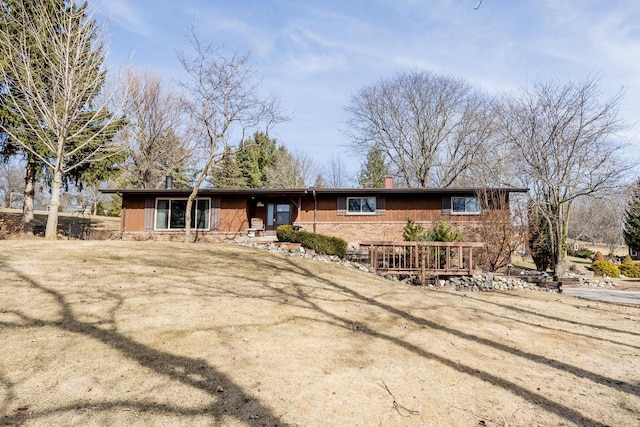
[[422, 259]]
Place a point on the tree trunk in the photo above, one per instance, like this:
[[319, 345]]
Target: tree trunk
[[29, 194], [187, 217], [51, 231], [558, 252], [194, 193]]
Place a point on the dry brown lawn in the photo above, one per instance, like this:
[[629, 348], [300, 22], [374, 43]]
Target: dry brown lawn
[[142, 333]]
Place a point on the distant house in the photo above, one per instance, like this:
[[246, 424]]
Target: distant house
[[355, 214]]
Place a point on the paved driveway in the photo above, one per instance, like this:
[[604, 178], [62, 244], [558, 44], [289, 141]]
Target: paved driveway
[[626, 297]]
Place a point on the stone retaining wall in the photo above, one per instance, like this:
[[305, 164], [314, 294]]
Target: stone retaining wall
[[478, 282]]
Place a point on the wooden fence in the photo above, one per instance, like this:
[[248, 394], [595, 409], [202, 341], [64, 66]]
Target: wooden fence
[[422, 258]]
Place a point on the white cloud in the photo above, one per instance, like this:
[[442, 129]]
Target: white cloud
[[126, 16]]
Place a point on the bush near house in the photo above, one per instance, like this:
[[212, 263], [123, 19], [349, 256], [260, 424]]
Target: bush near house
[[442, 232], [321, 244], [605, 268], [582, 253], [629, 268]]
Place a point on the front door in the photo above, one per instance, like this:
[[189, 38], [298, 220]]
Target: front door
[[278, 214]]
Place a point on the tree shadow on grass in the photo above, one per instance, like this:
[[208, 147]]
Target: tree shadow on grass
[[230, 400], [546, 316], [564, 331], [535, 398]]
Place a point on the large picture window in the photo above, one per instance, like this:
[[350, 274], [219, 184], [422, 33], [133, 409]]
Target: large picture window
[[465, 205], [361, 205], [170, 214]]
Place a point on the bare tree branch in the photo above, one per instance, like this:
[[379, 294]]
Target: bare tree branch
[[224, 106], [566, 146]]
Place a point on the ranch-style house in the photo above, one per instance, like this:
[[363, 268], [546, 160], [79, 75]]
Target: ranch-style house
[[355, 214]]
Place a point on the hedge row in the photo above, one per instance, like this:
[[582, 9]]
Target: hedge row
[[321, 244]]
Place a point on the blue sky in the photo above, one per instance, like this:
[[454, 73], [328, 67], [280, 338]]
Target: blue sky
[[315, 54]]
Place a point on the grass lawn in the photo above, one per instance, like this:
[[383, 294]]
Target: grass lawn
[[156, 334]]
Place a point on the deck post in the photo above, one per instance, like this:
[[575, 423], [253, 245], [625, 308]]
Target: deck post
[[426, 260], [374, 257]]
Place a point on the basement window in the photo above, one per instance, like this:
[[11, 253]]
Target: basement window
[[170, 214]]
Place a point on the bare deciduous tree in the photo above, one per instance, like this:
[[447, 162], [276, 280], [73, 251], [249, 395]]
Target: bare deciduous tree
[[336, 174], [11, 180], [598, 219], [430, 127], [497, 230], [224, 106], [290, 170], [155, 115], [565, 141], [55, 96]]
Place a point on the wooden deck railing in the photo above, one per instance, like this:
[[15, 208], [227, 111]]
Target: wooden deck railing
[[422, 258]]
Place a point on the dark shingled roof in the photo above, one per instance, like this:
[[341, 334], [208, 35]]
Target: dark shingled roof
[[310, 190]]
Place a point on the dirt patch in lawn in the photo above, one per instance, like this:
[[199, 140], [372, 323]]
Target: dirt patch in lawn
[[150, 333]]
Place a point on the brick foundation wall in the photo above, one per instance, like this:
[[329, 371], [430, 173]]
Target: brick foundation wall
[[178, 236], [386, 231]]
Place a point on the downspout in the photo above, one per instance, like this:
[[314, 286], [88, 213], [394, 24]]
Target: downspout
[[315, 211]]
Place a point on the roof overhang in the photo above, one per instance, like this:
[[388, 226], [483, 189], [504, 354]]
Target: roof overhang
[[309, 191]]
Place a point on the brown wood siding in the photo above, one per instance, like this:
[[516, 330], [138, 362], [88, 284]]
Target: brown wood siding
[[230, 213], [233, 214], [214, 218], [392, 208], [134, 215], [149, 213]]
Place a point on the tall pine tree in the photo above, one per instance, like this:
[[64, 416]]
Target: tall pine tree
[[227, 173], [373, 170], [56, 68], [631, 229], [254, 157]]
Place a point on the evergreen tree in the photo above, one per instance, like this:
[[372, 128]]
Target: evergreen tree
[[631, 229], [227, 173], [540, 244], [254, 157], [374, 170], [55, 68], [12, 125]]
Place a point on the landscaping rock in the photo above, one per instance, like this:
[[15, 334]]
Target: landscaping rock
[[475, 283]]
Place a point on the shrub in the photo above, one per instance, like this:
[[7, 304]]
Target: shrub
[[629, 268], [4, 230], [583, 253], [604, 267], [321, 244], [442, 232], [598, 257], [413, 232], [285, 233]]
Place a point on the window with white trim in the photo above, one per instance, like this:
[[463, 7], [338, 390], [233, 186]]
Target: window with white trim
[[465, 205], [170, 214], [361, 205]]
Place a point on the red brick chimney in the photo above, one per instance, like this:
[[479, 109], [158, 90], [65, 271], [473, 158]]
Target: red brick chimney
[[388, 182]]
